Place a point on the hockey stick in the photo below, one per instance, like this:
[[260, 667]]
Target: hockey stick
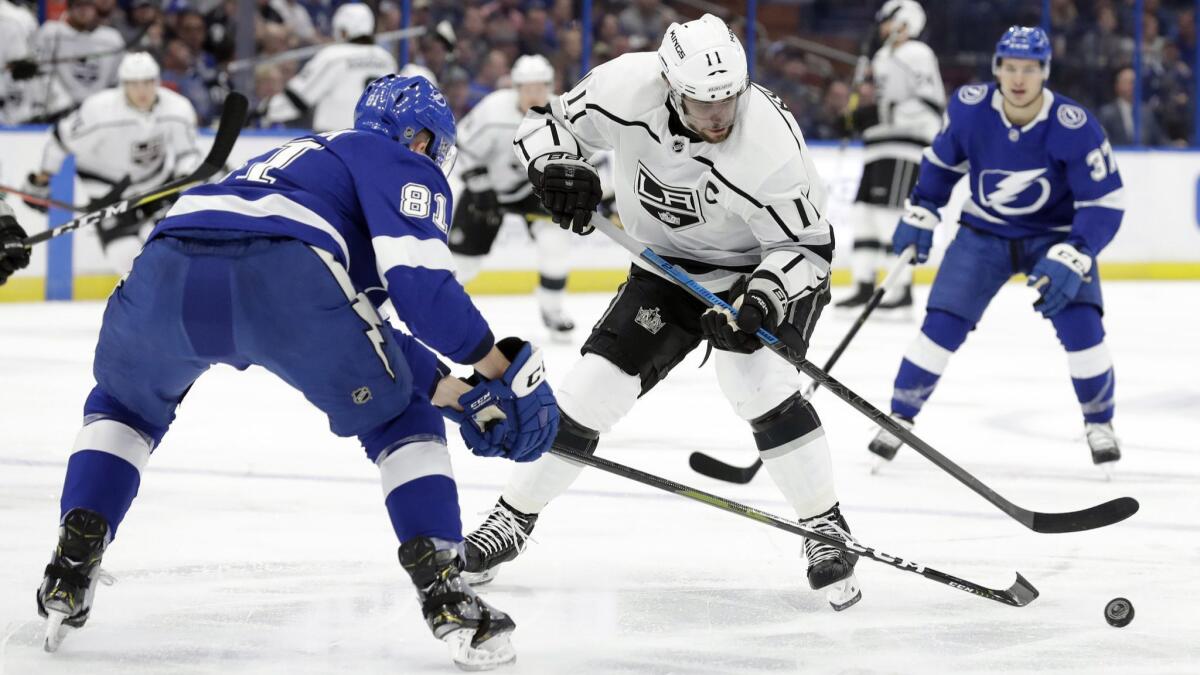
[[1021, 593], [40, 201], [233, 116], [1101, 515], [304, 52], [715, 468]]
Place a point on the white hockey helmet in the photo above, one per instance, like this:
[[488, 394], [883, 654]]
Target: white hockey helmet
[[418, 70], [531, 69], [907, 13], [705, 68], [353, 20], [137, 66]]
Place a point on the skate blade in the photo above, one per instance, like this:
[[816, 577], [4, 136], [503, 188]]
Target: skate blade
[[480, 578], [844, 594], [56, 630], [492, 653]]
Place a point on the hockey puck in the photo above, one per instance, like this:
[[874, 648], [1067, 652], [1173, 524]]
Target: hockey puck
[[1118, 612]]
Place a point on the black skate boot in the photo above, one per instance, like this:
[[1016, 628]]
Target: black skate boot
[[1106, 449], [559, 324], [65, 597], [885, 445], [828, 567], [899, 307], [861, 296], [502, 537], [476, 632]]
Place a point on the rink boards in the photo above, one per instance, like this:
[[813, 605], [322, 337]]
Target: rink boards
[[1160, 238]]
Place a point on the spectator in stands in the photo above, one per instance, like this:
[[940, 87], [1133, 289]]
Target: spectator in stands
[[297, 19], [1117, 116], [829, 122], [1185, 36], [1171, 90], [566, 60], [495, 66], [536, 35], [268, 81], [647, 18], [222, 24], [179, 74], [145, 18]]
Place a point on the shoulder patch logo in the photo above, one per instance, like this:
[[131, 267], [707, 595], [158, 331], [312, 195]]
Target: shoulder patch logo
[[1071, 116], [972, 93]]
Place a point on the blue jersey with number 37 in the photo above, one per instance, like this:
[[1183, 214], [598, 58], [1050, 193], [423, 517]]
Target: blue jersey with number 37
[[1056, 173], [381, 209]]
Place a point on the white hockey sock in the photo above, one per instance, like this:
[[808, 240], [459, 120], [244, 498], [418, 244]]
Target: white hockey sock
[[595, 394], [550, 300], [803, 472]]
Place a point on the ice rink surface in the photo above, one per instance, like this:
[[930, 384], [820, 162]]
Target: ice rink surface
[[259, 542]]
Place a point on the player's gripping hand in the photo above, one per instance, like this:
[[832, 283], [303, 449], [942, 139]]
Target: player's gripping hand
[[13, 254], [915, 229], [1059, 276], [23, 69], [737, 334], [515, 415], [569, 188]]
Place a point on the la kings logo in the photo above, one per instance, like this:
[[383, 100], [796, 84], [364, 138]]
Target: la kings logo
[[147, 154], [674, 207]]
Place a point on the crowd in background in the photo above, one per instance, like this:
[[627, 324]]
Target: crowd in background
[[470, 45]]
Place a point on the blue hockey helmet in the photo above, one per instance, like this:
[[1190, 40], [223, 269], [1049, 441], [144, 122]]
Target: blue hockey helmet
[[400, 107], [1024, 42]]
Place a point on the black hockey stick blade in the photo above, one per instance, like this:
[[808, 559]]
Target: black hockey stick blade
[[1100, 515], [233, 117], [715, 468]]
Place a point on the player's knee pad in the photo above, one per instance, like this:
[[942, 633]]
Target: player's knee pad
[[941, 335], [553, 248], [1079, 326], [785, 425], [755, 383], [466, 267], [596, 394], [102, 405]]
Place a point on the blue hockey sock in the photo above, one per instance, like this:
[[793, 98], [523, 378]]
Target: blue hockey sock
[[104, 471], [925, 360], [420, 492], [1081, 332]]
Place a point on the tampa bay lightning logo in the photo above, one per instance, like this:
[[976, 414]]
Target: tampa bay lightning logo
[[1014, 193], [972, 93], [1071, 116]]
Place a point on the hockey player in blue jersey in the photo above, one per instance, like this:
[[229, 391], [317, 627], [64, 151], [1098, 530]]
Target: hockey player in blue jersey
[[281, 264], [1046, 198]]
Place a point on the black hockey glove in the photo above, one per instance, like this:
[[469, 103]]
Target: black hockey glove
[[754, 310], [13, 254], [23, 69], [569, 188], [483, 207]]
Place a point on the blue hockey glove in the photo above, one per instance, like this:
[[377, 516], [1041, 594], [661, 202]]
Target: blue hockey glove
[[515, 416], [1059, 276], [915, 229]]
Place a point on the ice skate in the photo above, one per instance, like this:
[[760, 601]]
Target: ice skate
[[829, 568], [862, 295], [885, 445], [1106, 449], [558, 323], [897, 304], [65, 597], [501, 538], [476, 633]]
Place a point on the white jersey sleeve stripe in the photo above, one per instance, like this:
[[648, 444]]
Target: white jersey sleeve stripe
[[410, 251], [274, 205], [1113, 200], [930, 155]]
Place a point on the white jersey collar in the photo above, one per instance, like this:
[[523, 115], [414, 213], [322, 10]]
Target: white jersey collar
[[1043, 114]]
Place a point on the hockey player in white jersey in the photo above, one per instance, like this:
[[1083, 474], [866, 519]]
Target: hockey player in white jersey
[[496, 184], [711, 172], [67, 76], [16, 68], [910, 99], [126, 140], [328, 86]]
